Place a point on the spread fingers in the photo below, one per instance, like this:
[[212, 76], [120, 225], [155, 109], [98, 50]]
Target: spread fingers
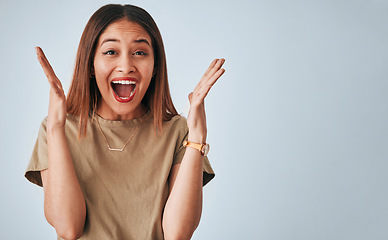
[[47, 69]]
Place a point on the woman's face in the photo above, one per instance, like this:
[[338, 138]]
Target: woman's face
[[123, 66]]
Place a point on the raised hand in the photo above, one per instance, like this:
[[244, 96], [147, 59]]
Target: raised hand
[[196, 119], [57, 105]]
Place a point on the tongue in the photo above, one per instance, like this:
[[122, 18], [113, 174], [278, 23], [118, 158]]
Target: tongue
[[123, 90]]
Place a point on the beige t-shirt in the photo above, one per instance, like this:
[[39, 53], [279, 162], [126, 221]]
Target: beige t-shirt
[[125, 192]]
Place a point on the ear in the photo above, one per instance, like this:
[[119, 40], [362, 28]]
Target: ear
[[92, 71], [153, 72]]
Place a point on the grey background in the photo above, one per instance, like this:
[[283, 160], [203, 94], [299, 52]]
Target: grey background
[[298, 125]]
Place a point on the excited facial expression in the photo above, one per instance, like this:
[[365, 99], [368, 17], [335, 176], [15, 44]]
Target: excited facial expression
[[123, 66]]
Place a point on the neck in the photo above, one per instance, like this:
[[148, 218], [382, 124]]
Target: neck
[[109, 114]]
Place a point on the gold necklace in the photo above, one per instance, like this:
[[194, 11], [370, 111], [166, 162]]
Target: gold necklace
[[133, 134]]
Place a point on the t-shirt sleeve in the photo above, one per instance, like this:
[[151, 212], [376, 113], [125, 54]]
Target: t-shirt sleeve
[[39, 159], [208, 173]]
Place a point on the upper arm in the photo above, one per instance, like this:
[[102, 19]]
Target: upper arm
[[172, 177]]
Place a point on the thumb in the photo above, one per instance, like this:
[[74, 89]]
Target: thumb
[[190, 96]]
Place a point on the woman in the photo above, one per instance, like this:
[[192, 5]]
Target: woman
[[115, 159]]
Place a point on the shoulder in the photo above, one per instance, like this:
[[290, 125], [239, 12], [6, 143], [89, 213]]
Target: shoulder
[[43, 124], [70, 119], [177, 122], [71, 125], [174, 128]]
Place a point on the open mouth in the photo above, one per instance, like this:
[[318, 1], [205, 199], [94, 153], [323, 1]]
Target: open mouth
[[124, 90]]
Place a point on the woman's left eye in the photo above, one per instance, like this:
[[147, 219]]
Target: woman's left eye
[[109, 52], [140, 53]]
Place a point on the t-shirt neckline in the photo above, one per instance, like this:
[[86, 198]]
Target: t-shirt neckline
[[129, 122]]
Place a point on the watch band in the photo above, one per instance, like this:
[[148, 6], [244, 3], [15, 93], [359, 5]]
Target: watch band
[[203, 148]]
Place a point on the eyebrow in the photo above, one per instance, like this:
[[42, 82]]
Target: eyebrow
[[142, 40], [109, 40]]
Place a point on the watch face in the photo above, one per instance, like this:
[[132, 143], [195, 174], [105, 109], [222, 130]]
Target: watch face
[[205, 149]]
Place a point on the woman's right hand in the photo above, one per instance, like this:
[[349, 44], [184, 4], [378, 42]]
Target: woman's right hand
[[57, 104], [64, 203]]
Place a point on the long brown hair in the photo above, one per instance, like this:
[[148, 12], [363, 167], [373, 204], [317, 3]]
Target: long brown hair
[[84, 96]]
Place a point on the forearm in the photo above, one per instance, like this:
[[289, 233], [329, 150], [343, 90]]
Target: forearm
[[64, 203], [184, 206]]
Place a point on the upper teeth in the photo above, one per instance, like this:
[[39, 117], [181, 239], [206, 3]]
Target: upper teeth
[[124, 82]]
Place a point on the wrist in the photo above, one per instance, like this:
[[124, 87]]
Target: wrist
[[197, 138], [203, 148]]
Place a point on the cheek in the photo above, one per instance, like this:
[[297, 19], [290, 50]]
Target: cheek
[[100, 76], [150, 69], [100, 68], [101, 71]]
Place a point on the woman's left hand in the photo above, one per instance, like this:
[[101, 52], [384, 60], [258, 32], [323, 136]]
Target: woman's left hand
[[196, 119]]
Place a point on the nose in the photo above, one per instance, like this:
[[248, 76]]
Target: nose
[[126, 64]]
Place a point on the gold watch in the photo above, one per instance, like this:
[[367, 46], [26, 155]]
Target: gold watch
[[203, 148]]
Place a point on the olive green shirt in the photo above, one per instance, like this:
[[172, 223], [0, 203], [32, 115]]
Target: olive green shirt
[[125, 192]]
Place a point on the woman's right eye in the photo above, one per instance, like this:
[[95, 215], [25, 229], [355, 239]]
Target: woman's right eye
[[109, 52]]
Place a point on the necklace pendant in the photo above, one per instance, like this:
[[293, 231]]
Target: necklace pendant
[[133, 134], [116, 149]]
